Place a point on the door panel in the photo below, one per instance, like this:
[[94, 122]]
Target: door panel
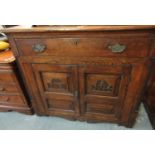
[[58, 86], [103, 85], [57, 82], [103, 90]]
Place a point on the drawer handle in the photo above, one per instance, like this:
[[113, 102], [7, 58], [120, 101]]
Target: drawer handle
[[39, 48], [2, 88], [76, 94], [117, 48], [6, 99]]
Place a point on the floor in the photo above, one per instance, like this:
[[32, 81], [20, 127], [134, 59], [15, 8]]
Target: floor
[[17, 121]]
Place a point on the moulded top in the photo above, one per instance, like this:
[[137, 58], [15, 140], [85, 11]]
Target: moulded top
[[52, 28]]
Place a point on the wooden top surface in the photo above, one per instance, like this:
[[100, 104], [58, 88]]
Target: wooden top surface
[[6, 57], [76, 28]]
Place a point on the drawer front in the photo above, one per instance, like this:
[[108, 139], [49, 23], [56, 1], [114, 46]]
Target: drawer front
[[103, 46], [102, 90], [12, 88], [7, 77], [11, 100]]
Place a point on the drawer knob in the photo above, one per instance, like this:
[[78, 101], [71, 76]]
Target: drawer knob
[[2, 88], [39, 48], [117, 48], [76, 94], [6, 99]]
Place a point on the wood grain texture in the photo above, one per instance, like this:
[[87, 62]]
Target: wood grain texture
[[12, 97], [70, 71], [98, 101], [134, 47], [57, 86], [67, 28], [149, 95]]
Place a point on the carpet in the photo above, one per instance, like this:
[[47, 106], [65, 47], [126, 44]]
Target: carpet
[[18, 121]]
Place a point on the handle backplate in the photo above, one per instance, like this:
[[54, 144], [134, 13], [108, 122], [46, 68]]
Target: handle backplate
[[2, 88], [38, 48], [117, 48]]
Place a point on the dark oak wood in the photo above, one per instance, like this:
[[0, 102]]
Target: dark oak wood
[[12, 97], [135, 47], [11, 93], [102, 91], [88, 73], [149, 96], [57, 86], [67, 28]]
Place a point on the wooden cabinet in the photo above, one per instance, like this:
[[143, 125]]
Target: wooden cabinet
[[86, 91], [91, 73], [12, 97]]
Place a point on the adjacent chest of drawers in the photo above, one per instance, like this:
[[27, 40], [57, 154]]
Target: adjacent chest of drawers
[[12, 97], [93, 75]]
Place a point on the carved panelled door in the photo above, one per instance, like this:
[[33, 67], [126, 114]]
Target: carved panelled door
[[58, 88], [102, 91]]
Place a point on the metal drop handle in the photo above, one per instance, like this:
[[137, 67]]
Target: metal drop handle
[[2, 88], [117, 48], [39, 48], [6, 99], [76, 93]]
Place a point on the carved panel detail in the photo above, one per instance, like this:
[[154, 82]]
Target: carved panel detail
[[56, 84], [102, 85]]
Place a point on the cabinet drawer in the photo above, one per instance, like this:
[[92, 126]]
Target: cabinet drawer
[[11, 100], [8, 88], [102, 46], [7, 77]]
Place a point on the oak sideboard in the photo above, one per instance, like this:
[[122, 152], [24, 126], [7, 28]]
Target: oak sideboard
[[86, 73]]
